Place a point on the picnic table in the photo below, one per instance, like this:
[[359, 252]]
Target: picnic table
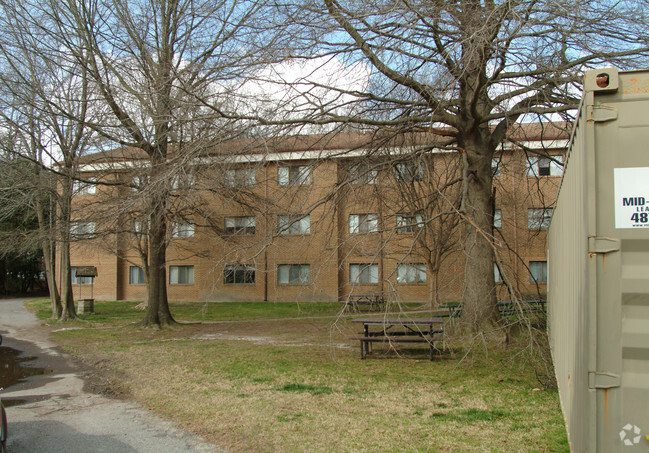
[[399, 330], [528, 306], [504, 308], [454, 311], [373, 301]]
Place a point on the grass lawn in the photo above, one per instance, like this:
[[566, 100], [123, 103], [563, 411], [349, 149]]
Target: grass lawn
[[285, 377]]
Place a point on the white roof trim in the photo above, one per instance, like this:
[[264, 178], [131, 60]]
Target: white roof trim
[[341, 153]]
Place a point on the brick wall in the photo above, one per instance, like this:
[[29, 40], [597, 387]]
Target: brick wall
[[330, 249]]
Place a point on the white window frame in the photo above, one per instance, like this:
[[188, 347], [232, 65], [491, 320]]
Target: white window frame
[[295, 175], [293, 274], [232, 271], [240, 225], [140, 228], [363, 273], [136, 276], [181, 275], [411, 273], [241, 177], [409, 171], [294, 224], [498, 218], [495, 166], [498, 276], [538, 271], [409, 223], [539, 166], [85, 188], [539, 218], [362, 173], [82, 230], [182, 229], [185, 181], [363, 223], [138, 182]]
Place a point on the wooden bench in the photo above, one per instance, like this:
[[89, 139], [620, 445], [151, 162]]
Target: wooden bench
[[374, 301], [366, 342], [399, 330]]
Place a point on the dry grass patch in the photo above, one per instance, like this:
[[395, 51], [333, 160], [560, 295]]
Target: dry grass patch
[[293, 385]]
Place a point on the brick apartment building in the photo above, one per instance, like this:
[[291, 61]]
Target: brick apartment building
[[315, 218]]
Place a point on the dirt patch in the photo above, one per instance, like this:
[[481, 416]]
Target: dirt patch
[[101, 377], [102, 374]]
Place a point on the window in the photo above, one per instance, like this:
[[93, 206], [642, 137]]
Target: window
[[240, 177], [409, 223], [362, 173], [364, 273], [140, 228], [83, 187], [294, 224], [498, 276], [238, 274], [409, 172], [240, 225], [139, 182], [79, 280], [539, 271], [495, 167], [183, 182], [181, 275], [539, 218], [293, 274], [544, 166], [82, 230], [182, 229], [292, 176], [363, 223], [136, 276], [411, 273], [498, 218]]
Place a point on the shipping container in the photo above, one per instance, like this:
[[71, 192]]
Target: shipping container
[[598, 260]]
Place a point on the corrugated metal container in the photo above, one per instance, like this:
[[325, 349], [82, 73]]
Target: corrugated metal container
[[598, 259]]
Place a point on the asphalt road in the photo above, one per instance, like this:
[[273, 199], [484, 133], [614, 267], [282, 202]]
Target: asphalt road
[[56, 415]]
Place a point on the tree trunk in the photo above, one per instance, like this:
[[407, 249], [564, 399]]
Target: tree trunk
[[157, 303], [67, 299], [47, 245], [157, 312], [480, 303]]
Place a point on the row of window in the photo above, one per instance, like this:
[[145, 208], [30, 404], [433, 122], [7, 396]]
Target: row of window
[[86, 230], [537, 166], [299, 274], [361, 173], [538, 272], [537, 218], [301, 224], [287, 274], [178, 275]]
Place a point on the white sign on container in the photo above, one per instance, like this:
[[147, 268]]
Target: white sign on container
[[631, 197]]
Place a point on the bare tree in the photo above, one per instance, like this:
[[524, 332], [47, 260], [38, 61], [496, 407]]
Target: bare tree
[[153, 65], [469, 70], [44, 111]]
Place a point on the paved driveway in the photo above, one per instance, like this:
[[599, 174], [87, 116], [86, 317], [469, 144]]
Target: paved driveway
[[57, 415]]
